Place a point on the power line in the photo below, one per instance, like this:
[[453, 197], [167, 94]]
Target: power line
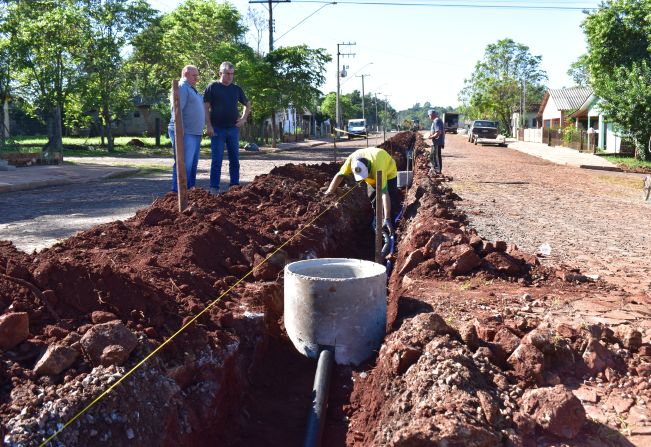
[[454, 5], [326, 4]]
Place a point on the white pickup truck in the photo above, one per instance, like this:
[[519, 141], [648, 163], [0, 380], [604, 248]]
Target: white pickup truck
[[357, 127]]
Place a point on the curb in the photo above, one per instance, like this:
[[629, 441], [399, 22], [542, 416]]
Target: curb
[[60, 182], [124, 172], [602, 168], [297, 146]]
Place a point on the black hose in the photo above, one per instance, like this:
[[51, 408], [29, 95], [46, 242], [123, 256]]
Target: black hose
[[320, 390]]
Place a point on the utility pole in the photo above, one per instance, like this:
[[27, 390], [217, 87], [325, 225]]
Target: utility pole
[[377, 123], [337, 111], [363, 111], [524, 103], [271, 48], [363, 76], [384, 124]]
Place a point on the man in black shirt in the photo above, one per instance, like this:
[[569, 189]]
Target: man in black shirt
[[223, 124]]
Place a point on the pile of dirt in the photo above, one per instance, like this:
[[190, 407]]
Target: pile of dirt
[[77, 316], [466, 369], [399, 146]]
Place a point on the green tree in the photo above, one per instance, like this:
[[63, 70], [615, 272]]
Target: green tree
[[111, 24], [298, 73], [329, 107], [46, 38], [619, 50], [579, 72], [496, 88], [203, 33]]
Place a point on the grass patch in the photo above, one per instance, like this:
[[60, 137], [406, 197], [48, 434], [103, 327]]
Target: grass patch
[[629, 182], [629, 163], [90, 146]]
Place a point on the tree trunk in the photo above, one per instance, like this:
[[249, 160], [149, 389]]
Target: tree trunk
[[2, 121], [273, 129], [109, 132], [54, 147]]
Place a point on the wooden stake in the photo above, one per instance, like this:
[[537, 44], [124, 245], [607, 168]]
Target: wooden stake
[[378, 217], [181, 177]]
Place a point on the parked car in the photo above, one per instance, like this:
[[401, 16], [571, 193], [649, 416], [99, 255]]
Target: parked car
[[485, 132]]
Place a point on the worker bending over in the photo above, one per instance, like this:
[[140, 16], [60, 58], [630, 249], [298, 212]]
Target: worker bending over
[[363, 164]]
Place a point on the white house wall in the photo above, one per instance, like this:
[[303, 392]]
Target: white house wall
[[551, 111], [613, 141]]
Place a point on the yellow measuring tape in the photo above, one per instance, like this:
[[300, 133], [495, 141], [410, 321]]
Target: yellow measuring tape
[[182, 328]]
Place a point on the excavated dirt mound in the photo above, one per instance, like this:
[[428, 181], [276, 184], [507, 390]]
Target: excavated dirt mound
[[479, 350], [94, 305], [478, 357]]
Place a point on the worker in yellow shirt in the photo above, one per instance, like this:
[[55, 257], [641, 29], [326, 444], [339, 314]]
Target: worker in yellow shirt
[[363, 164]]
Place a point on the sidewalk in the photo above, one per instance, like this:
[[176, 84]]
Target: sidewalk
[[95, 169], [297, 145], [564, 156], [38, 176]]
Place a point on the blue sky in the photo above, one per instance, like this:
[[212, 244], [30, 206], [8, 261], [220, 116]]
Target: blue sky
[[420, 53]]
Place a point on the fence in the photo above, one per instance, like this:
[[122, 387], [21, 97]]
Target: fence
[[261, 134], [530, 135], [581, 140]]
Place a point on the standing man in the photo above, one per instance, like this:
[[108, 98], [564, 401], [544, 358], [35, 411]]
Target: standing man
[[223, 124], [363, 164], [437, 135], [192, 113]]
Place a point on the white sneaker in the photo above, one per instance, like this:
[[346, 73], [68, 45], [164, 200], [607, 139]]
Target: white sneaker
[[215, 191]]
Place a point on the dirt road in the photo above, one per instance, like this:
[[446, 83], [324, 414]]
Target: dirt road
[[593, 220]]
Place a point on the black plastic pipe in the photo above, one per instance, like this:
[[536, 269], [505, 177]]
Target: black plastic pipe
[[320, 391]]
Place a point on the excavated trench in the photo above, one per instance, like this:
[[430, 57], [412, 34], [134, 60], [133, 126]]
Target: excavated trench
[[85, 311], [458, 366]]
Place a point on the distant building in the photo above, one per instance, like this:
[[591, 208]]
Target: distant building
[[558, 105], [530, 120], [590, 117], [142, 120]]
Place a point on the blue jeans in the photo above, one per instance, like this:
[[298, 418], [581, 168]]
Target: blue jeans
[[435, 158], [231, 137], [191, 145]]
